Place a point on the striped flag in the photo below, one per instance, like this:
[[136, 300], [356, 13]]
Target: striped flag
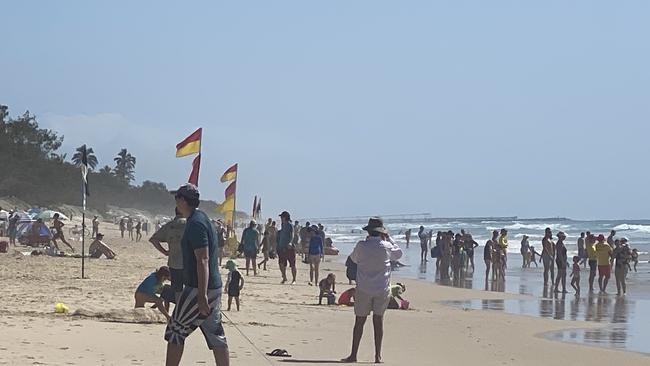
[[84, 175], [191, 145], [255, 207], [230, 174], [194, 175]]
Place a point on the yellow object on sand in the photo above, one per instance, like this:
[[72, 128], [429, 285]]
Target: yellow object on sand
[[61, 308]]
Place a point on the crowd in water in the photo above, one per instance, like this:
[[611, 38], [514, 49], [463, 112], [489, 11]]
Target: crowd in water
[[454, 255]]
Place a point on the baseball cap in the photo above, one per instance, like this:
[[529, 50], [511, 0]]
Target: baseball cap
[[187, 190]]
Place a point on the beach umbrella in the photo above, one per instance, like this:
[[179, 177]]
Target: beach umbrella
[[49, 215], [23, 216]]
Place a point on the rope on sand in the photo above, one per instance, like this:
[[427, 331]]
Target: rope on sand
[[248, 339]]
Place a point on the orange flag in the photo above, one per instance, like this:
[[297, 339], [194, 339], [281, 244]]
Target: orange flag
[[191, 145]]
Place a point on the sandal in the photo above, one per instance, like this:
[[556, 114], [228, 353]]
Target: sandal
[[279, 353]]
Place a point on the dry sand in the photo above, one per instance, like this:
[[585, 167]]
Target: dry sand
[[104, 329]]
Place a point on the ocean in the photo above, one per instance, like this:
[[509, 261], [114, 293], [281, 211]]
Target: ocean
[[622, 318]]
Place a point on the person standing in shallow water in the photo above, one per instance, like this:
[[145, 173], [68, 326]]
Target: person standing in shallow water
[[603, 255], [561, 261], [592, 259], [424, 240], [488, 251], [407, 236], [548, 253], [373, 256]]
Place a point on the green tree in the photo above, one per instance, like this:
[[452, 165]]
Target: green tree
[[106, 170], [90, 154], [124, 166]]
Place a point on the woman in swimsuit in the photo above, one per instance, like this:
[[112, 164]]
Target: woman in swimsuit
[[561, 261]]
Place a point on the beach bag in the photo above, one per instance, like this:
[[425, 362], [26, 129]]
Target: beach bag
[[435, 252], [405, 305]]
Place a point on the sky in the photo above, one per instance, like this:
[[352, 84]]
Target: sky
[[352, 108]]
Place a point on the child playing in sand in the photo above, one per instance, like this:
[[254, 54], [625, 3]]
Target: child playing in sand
[[146, 292], [635, 257], [347, 297], [234, 283], [327, 289], [575, 274]]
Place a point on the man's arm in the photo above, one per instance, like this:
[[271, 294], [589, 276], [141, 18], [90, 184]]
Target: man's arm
[[202, 272], [158, 237], [395, 250]]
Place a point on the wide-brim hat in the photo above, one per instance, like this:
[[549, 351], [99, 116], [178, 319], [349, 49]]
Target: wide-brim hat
[[375, 225]]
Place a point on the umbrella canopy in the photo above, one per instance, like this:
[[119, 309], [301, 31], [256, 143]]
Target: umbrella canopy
[[4, 215], [49, 215], [23, 216]]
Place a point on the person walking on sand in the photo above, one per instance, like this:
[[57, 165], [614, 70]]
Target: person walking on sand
[[286, 251], [122, 226], [250, 241], [561, 262], [172, 234], [603, 255], [129, 228], [199, 305], [592, 259], [57, 225], [548, 254], [95, 227], [265, 250], [138, 231], [315, 255], [372, 256], [424, 240]]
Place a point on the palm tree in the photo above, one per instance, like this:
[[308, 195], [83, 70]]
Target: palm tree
[[90, 155], [125, 166], [106, 170]]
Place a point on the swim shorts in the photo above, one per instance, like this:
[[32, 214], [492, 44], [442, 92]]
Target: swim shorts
[[186, 318], [287, 255], [604, 270], [364, 303], [547, 260], [250, 253]]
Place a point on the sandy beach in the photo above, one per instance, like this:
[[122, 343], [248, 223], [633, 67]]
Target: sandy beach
[[102, 327]]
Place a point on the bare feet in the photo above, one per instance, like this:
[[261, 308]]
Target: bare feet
[[378, 359], [349, 359]]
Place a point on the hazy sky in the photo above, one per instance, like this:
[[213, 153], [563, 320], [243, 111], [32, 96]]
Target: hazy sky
[[343, 108]]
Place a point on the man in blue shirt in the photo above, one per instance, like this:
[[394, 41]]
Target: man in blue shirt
[[199, 305], [250, 241], [286, 250]]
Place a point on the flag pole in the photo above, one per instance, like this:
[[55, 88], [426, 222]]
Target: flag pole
[[234, 204], [83, 242]]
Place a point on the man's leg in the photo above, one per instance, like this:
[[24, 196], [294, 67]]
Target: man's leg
[[248, 264], [357, 332], [283, 270], [378, 324], [221, 356], [293, 273], [174, 354]]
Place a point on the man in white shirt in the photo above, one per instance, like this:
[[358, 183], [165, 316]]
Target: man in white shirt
[[373, 257]]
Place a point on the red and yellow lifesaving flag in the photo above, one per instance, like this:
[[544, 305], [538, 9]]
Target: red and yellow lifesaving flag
[[228, 204], [191, 145], [230, 174]]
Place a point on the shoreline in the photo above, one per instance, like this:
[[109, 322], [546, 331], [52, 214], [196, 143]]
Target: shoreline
[[272, 316]]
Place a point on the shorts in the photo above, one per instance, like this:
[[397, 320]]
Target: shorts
[[186, 318], [251, 254], [58, 235], [364, 303], [287, 255], [424, 247], [592, 265], [177, 279], [12, 233], [604, 270], [582, 253]]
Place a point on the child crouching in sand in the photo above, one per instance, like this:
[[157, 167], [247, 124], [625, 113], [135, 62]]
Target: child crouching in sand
[[234, 283], [146, 292], [575, 274], [327, 289]]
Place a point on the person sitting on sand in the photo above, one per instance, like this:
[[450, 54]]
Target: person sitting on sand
[[347, 297], [396, 292], [98, 247], [152, 285], [234, 283], [327, 289]]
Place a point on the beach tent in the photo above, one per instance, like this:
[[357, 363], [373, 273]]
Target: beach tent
[[23, 216], [25, 228], [49, 215]]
